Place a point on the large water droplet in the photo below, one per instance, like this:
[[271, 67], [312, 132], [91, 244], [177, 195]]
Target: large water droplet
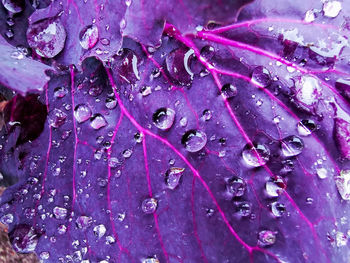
[[88, 36], [307, 90], [229, 91], [57, 118], [236, 186], [277, 209], [126, 64], [164, 118], [243, 209], [194, 140], [24, 238], [292, 146], [306, 127], [173, 176], [149, 205], [82, 113], [47, 37], [98, 121], [60, 212], [261, 76], [256, 155], [178, 64], [266, 238], [332, 8], [275, 186], [342, 182], [14, 6], [99, 230]]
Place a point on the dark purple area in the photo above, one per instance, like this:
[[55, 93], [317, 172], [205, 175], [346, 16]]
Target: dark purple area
[[187, 131]]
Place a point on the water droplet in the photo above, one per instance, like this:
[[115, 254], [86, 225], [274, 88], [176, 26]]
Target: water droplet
[[266, 238], [47, 37], [342, 182], [62, 229], [275, 186], [88, 36], [306, 127], [243, 209], [111, 103], [194, 140], [98, 121], [307, 90], [332, 8], [138, 137], [207, 114], [178, 64], [57, 118], [95, 91], [146, 90], [126, 64], [256, 155], [99, 230], [7, 219], [44, 255], [261, 76], [164, 118], [173, 176], [229, 91], [310, 16], [322, 173], [60, 92], [127, 153], [10, 22], [150, 260], [277, 209], [105, 41], [82, 113], [236, 186], [14, 6], [207, 52], [341, 239], [24, 238], [110, 240], [60, 212], [292, 146], [83, 222], [149, 205], [183, 122], [9, 33]]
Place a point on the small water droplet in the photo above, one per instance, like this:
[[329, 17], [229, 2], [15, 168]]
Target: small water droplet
[[207, 52], [332, 8], [277, 209], [183, 122], [243, 209], [266, 238], [306, 127], [207, 114], [292, 146], [105, 41], [145, 91], [60, 212], [88, 36], [44, 255], [256, 155], [275, 186], [322, 173], [127, 153], [138, 137], [99, 230], [9, 33], [194, 140], [57, 118], [342, 182], [14, 6], [82, 113], [164, 118], [261, 76], [150, 260], [173, 176], [310, 16], [60, 92], [236, 186], [111, 103], [98, 121], [229, 91], [83, 222], [10, 22], [95, 91], [149, 205]]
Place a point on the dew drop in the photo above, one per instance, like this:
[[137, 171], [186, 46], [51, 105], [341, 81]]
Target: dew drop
[[261, 76], [292, 146], [275, 186], [194, 140], [173, 176], [342, 182], [164, 118], [243, 209], [99, 230], [111, 103], [60, 92], [14, 6], [256, 155], [82, 113], [229, 91], [277, 209], [57, 118], [88, 36], [47, 37], [266, 238], [149, 205], [24, 238], [60, 212], [98, 121], [236, 186], [306, 127]]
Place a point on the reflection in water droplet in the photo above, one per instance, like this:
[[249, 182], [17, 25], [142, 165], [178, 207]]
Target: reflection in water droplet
[[173, 176], [277, 209], [261, 76], [60, 92], [14, 6], [306, 127], [88, 36], [164, 118], [149, 205], [194, 140], [47, 37], [292, 146], [57, 118], [228, 91], [266, 238], [257, 155], [236, 186], [98, 121], [82, 113], [275, 186]]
